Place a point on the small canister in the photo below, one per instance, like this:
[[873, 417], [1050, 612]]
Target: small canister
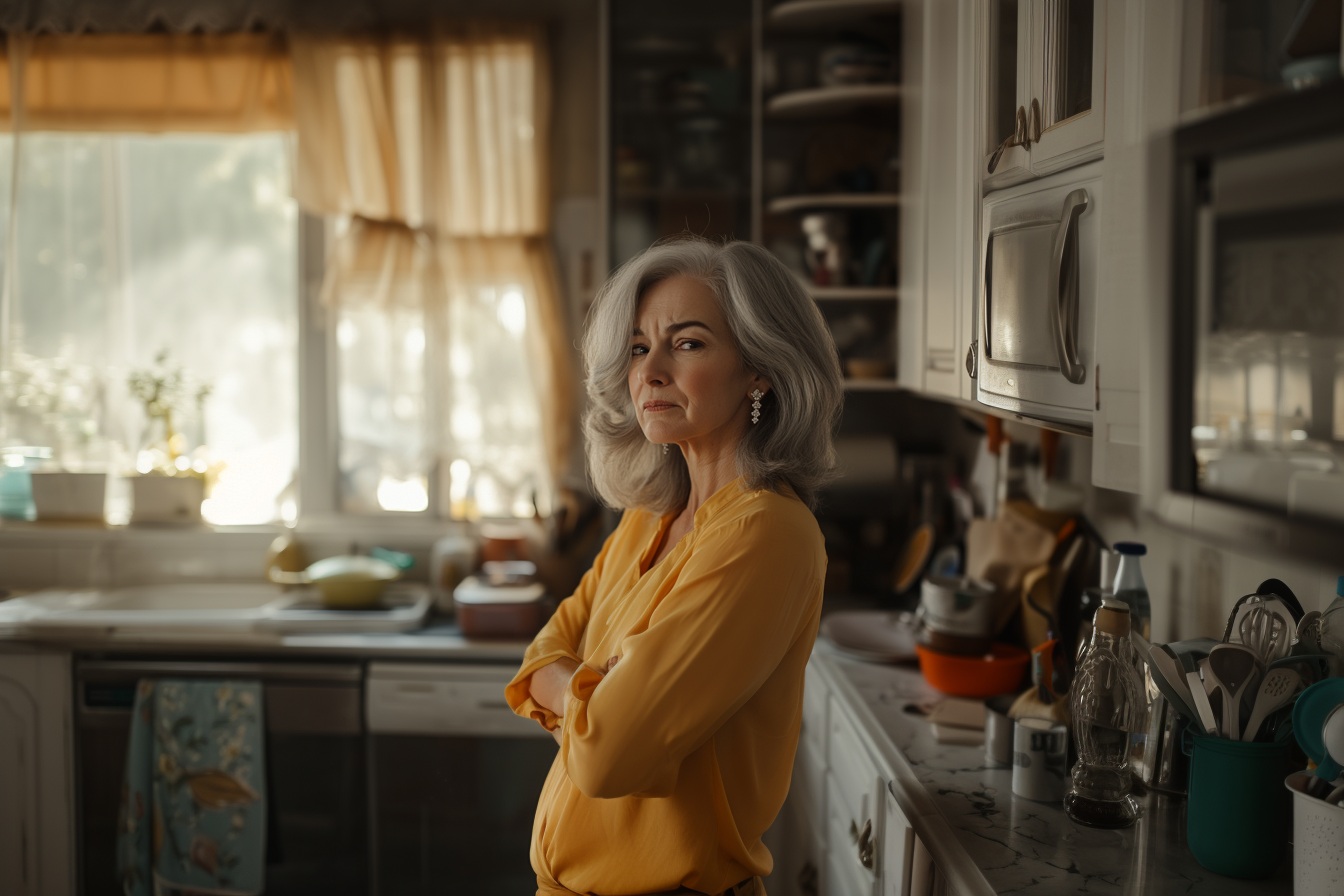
[[1040, 760], [999, 731]]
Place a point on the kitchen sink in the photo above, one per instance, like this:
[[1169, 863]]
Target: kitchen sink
[[214, 606]]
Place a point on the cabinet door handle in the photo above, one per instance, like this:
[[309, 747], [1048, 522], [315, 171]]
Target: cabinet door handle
[[866, 845], [1063, 286], [1018, 137], [1035, 121], [970, 359]]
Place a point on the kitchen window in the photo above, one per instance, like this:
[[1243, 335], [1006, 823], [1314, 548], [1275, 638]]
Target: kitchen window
[[137, 252], [182, 252]]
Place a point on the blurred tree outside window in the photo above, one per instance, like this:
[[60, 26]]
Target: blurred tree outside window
[[132, 248]]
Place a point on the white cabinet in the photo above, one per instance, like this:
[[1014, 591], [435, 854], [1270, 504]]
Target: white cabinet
[[941, 202], [1043, 106], [36, 792], [898, 846]]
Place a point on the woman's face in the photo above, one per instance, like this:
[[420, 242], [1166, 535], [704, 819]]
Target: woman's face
[[686, 377]]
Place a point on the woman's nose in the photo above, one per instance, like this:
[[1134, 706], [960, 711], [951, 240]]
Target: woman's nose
[[653, 372]]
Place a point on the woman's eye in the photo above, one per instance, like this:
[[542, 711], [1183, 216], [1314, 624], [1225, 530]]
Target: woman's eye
[[688, 344], [639, 350]]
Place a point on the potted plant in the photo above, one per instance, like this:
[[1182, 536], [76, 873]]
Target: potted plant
[[170, 484], [55, 405]]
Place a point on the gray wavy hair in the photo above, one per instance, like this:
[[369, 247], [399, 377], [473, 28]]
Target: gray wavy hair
[[779, 334]]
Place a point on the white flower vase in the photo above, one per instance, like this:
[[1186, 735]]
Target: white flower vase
[[70, 496], [166, 500]]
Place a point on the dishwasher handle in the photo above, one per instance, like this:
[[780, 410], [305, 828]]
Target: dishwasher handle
[[1063, 285]]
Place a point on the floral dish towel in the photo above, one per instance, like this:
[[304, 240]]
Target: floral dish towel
[[193, 803]]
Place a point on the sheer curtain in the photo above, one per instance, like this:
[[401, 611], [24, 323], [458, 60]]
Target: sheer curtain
[[436, 149]]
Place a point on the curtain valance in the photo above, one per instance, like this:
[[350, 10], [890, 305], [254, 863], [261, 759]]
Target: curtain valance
[[150, 83]]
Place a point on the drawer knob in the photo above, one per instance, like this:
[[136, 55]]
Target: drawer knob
[[866, 845]]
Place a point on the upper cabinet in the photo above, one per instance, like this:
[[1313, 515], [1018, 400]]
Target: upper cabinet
[[1045, 91]]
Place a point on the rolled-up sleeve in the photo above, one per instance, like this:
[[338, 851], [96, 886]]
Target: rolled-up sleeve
[[744, 596], [560, 637]]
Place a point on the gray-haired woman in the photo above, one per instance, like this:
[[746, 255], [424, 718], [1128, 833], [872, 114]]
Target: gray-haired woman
[[673, 677]]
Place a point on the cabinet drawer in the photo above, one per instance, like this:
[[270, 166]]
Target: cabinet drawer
[[814, 712], [809, 781], [898, 843], [855, 774], [845, 871]]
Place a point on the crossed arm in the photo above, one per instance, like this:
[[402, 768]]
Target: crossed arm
[[549, 684]]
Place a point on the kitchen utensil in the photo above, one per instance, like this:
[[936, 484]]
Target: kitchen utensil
[[997, 672], [880, 636], [1318, 841], [1309, 633], [1310, 714], [1040, 759], [1216, 702], [1264, 632], [345, 582], [914, 558], [1234, 665], [957, 613], [1273, 603], [1200, 703], [1335, 795], [1170, 680], [1237, 813], [1276, 689]]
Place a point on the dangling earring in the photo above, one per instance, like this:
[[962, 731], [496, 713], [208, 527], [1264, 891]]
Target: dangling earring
[[665, 447], [756, 397]]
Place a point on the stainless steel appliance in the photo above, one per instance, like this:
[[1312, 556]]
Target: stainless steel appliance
[[455, 778], [1034, 351], [1247, 412], [317, 836]]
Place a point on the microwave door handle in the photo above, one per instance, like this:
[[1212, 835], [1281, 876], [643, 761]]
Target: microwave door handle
[[1064, 288]]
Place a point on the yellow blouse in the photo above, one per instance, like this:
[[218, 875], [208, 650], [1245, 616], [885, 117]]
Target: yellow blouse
[[672, 766]]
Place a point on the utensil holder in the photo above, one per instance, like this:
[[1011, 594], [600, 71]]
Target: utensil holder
[[1238, 811], [1318, 841]]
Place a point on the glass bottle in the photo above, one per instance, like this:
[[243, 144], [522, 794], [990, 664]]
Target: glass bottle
[[1107, 703], [1130, 587]]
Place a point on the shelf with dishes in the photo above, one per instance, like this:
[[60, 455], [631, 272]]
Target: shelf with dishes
[[853, 293], [784, 205], [808, 15], [883, 384], [813, 102]]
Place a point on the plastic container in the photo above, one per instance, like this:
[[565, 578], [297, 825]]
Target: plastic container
[[1237, 816], [1318, 841], [997, 672], [507, 611]]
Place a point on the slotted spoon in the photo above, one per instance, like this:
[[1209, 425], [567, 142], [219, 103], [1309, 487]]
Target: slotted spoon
[[1277, 688]]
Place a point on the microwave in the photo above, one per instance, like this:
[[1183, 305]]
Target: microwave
[[1034, 352], [1246, 415]]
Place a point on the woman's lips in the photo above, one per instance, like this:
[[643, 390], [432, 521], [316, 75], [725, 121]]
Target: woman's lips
[[658, 405]]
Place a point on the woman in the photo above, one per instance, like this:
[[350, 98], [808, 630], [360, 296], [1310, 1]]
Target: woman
[[673, 677]]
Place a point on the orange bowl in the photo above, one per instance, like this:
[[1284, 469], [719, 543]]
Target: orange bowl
[[997, 672]]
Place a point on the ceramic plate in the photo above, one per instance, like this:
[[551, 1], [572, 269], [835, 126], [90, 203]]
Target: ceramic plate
[[882, 636]]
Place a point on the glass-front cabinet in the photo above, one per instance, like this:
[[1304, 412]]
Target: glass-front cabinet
[[1045, 67], [680, 122]]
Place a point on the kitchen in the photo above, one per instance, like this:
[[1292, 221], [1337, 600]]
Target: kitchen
[[265, 311]]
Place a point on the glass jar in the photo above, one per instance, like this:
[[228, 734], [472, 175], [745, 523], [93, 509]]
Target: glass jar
[[1108, 705]]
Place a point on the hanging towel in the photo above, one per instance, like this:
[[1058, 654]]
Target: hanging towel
[[193, 802]]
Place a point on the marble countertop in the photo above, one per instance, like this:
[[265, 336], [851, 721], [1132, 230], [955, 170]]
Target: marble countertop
[[1018, 845], [440, 639]]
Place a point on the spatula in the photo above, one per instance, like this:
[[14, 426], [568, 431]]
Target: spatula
[[1233, 666], [1277, 688], [1170, 680]]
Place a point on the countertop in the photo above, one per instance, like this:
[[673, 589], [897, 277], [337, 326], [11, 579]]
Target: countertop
[[1007, 844], [441, 639]]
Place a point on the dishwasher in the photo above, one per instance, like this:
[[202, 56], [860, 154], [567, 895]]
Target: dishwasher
[[454, 779], [316, 768]]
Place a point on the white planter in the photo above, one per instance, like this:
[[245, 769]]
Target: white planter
[[70, 496], [166, 499]]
